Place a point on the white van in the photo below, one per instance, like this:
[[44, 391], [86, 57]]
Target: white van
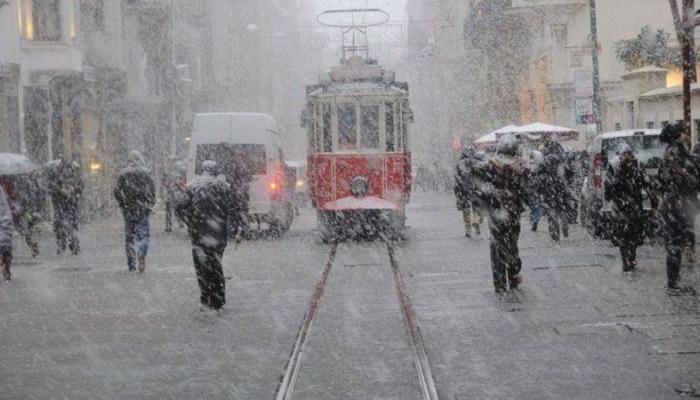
[[251, 143]]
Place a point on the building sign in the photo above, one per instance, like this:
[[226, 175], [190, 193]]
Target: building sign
[[584, 110]]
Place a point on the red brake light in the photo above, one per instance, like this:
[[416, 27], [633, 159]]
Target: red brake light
[[597, 171]]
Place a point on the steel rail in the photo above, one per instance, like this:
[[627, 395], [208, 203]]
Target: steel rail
[[425, 374], [285, 391]]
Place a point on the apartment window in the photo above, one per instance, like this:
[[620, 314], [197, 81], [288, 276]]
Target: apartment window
[[41, 20], [650, 125]]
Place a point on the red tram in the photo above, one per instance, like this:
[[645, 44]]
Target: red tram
[[359, 162]]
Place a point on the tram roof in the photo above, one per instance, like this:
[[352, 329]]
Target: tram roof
[[357, 88]]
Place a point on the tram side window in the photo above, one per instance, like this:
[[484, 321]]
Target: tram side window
[[403, 138], [347, 126], [369, 132], [389, 125], [327, 129]]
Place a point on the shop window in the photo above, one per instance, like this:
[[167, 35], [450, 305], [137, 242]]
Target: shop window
[[389, 125], [347, 126], [369, 130], [42, 20]]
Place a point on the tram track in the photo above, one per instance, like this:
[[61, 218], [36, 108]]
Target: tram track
[[285, 390]]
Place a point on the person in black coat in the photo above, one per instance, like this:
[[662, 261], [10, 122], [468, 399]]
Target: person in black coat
[[679, 181], [624, 189], [209, 209], [136, 195], [66, 186], [554, 190], [504, 195], [465, 188]]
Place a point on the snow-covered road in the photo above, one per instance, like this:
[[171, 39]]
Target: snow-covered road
[[84, 327]]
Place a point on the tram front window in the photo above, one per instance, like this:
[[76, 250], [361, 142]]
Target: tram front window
[[347, 126], [369, 132]]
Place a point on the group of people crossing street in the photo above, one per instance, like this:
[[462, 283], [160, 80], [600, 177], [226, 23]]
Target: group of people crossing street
[[504, 185]]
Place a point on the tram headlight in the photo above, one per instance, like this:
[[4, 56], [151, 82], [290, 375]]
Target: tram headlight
[[359, 186]]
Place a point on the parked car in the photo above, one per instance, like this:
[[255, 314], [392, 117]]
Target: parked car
[[251, 143], [595, 209]]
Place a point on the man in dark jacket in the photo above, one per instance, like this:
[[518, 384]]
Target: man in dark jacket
[[207, 208], [66, 189], [624, 185], [465, 189], [679, 182], [135, 193], [554, 190], [504, 195]]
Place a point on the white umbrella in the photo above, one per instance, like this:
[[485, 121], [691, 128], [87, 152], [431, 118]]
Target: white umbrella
[[16, 164]]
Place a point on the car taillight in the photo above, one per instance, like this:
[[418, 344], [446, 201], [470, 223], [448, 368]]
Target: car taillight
[[598, 171], [273, 186]]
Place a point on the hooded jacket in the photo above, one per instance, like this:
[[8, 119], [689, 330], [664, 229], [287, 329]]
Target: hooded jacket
[[135, 191]]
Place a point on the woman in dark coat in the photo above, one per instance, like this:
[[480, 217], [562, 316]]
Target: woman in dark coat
[[624, 185]]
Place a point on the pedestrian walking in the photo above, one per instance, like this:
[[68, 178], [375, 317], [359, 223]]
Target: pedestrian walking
[[6, 231], [135, 194], [504, 195], [624, 186], [208, 207], [66, 186], [173, 181], [679, 182], [465, 189], [554, 190]]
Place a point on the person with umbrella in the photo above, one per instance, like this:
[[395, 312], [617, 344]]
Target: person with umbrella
[[20, 180]]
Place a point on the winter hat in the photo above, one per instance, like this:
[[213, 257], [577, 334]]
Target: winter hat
[[209, 166], [670, 134], [623, 148], [508, 145]]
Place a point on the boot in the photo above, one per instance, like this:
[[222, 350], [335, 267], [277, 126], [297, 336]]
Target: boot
[[142, 264], [515, 281], [6, 261], [499, 286], [627, 265], [477, 229]]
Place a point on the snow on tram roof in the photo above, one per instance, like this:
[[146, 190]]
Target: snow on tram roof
[[355, 88]]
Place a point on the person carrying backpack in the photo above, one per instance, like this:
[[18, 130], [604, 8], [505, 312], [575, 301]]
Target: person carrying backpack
[[136, 195]]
